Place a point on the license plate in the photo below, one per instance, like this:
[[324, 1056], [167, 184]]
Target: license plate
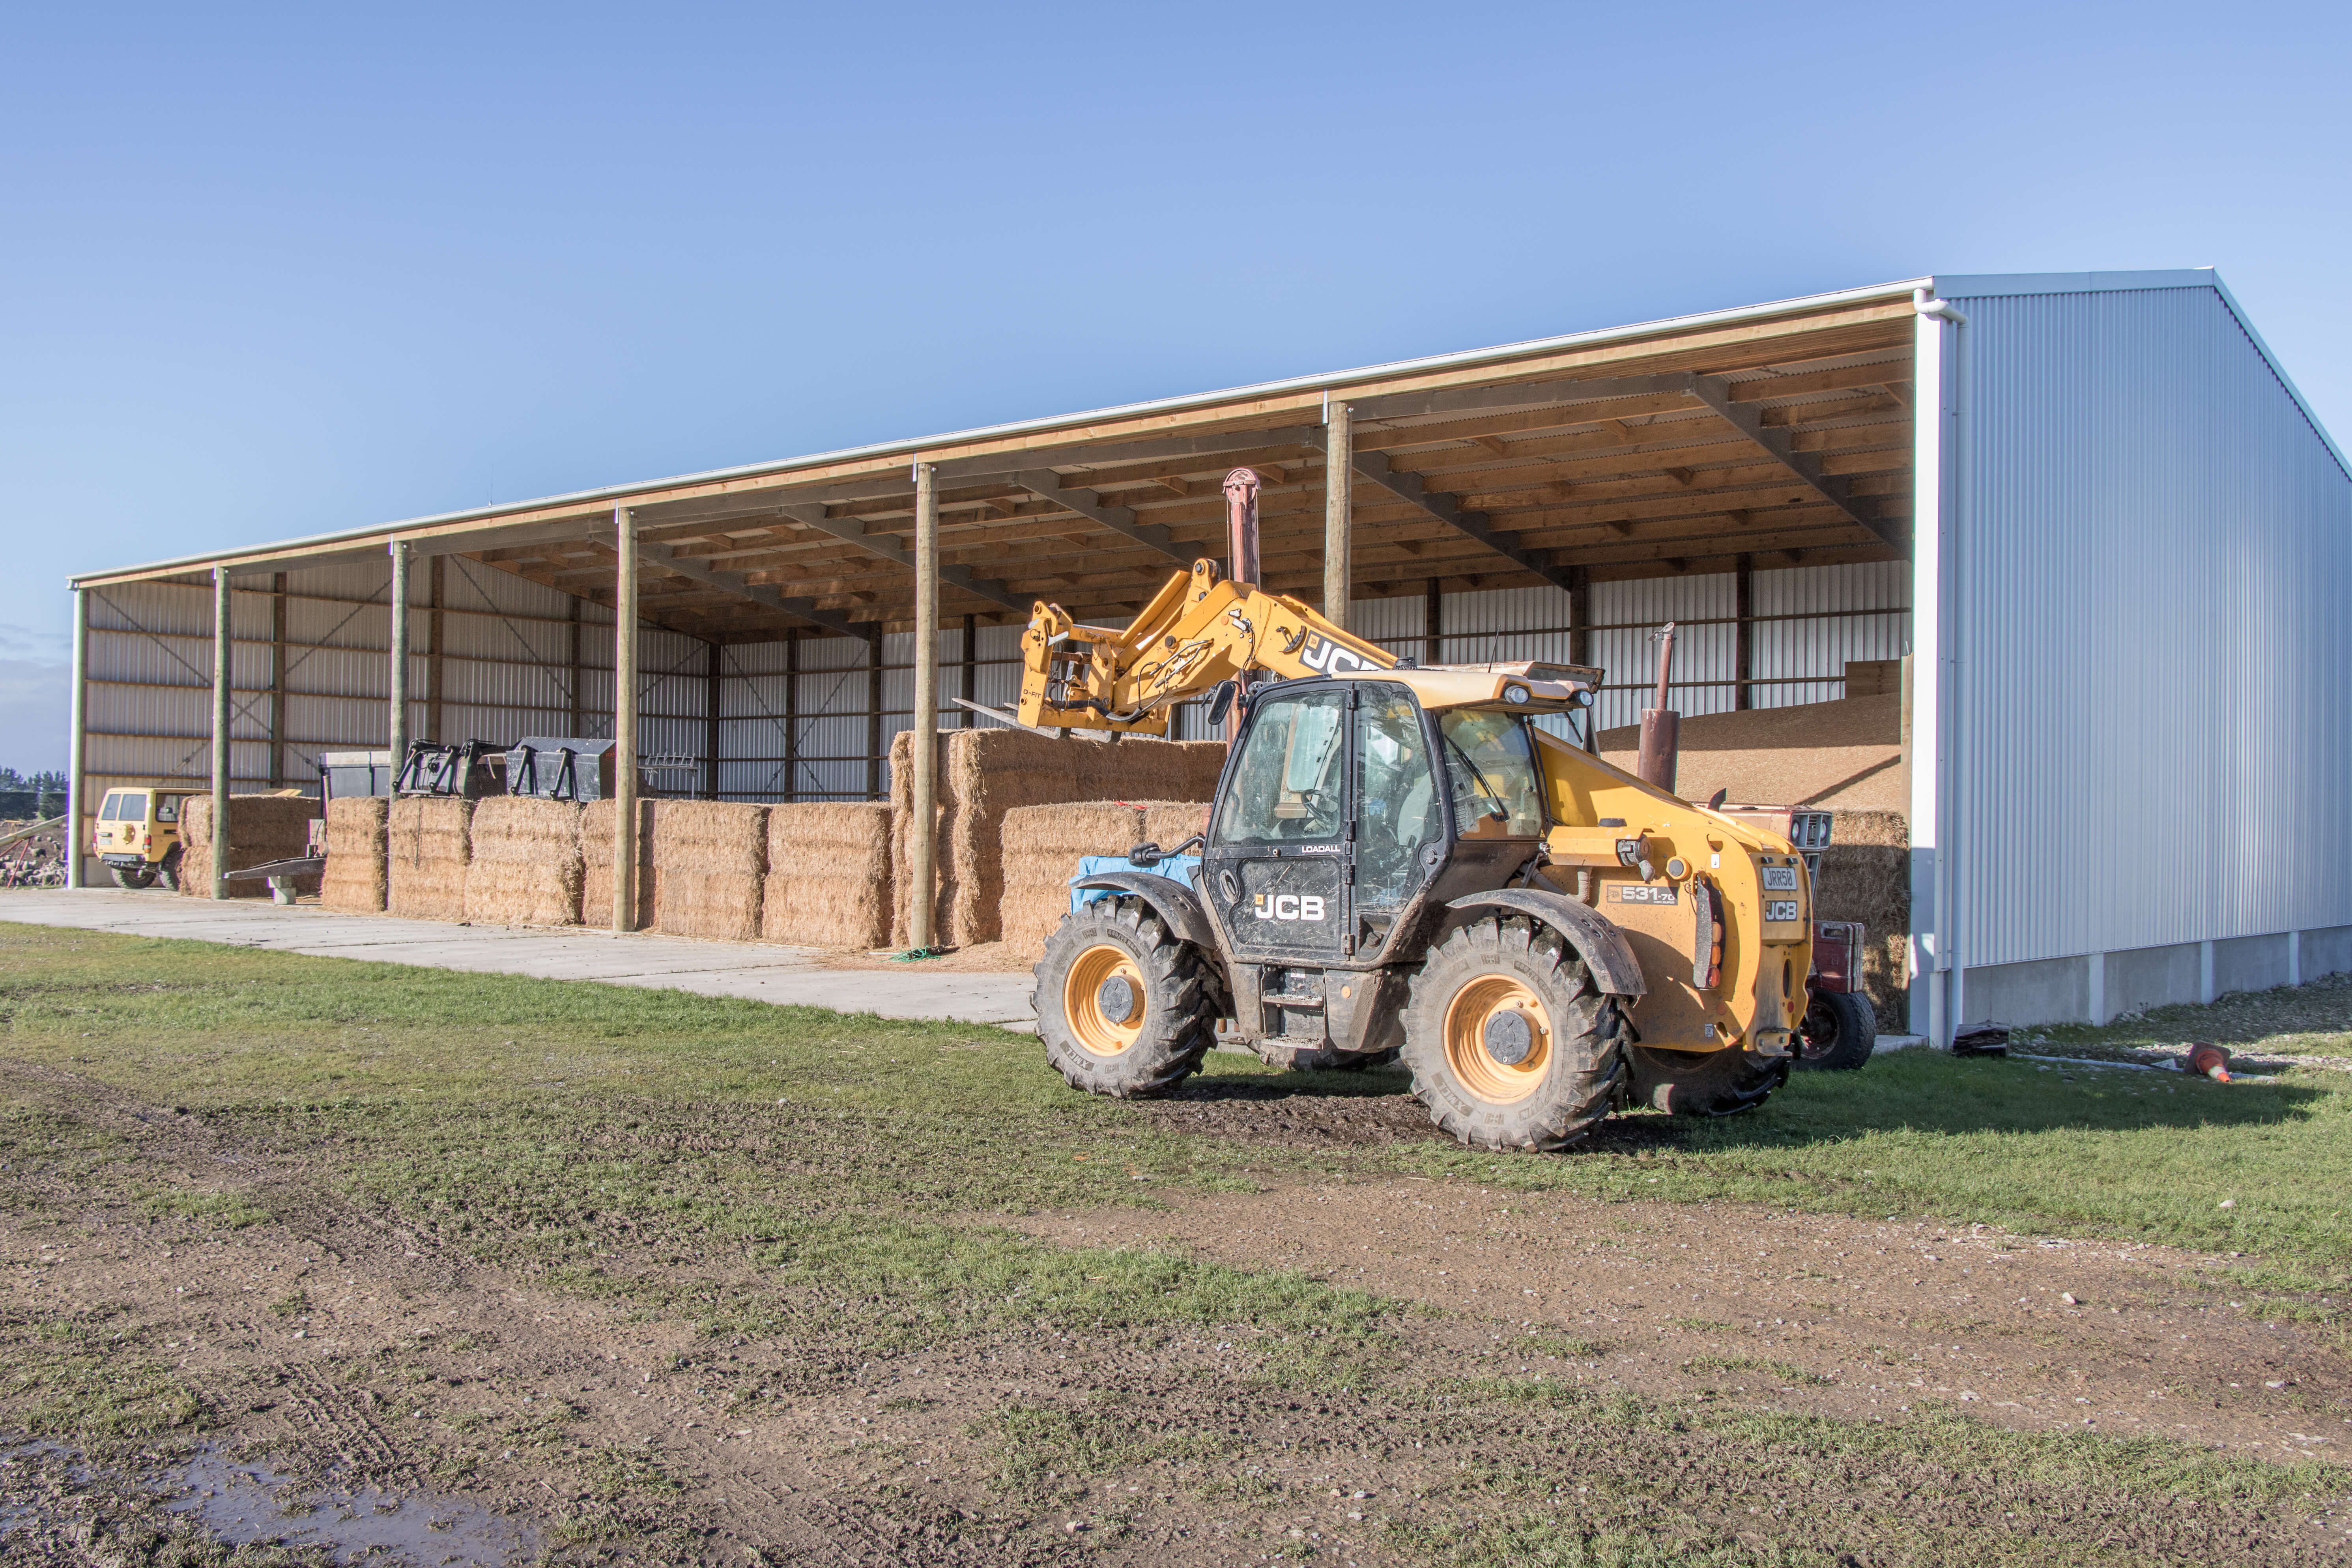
[[1780, 878], [1781, 910]]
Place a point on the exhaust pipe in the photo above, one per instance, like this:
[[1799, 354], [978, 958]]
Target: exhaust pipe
[[1241, 525], [1661, 725]]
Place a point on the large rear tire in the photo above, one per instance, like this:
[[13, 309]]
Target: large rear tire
[[1511, 1044], [1125, 1008], [168, 873], [1705, 1083], [1838, 1033]]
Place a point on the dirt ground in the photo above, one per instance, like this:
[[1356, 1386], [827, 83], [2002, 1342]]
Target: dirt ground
[[353, 1361]]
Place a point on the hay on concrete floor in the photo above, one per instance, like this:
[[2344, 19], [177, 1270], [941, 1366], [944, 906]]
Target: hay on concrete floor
[[710, 858], [525, 867], [261, 828], [596, 822], [354, 879], [985, 774], [1846, 755], [428, 843], [829, 878]]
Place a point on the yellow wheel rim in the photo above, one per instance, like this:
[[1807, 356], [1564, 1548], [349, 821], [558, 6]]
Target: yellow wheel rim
[[1083, 1004], [1468, 1017]]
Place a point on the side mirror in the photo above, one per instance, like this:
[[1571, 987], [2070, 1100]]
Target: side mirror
[[1221, 700]]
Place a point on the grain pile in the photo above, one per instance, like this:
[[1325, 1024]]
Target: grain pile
[[710, 858], [596, 820], [984, 773], [1865, 876], [828, 881], [429, 842], [1042, 845], [355, 848], [525, 868], [261, 828], [1845, 756]]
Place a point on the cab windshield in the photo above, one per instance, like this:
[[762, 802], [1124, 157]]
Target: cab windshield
[[1491, 765]]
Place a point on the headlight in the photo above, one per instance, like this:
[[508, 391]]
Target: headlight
[[1514, 692]]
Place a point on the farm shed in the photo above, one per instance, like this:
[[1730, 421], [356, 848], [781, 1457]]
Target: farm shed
[[2080, 528]]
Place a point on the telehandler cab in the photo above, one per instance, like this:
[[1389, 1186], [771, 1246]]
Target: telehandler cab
[[1401, 860]]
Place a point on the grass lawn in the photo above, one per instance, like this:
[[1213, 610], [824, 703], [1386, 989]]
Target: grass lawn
[[796, 1178]]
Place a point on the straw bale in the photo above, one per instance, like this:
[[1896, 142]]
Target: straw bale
[[709, 858], [1846, 754], [354, 880], [261, 828], [829, 878], [1168, 823], [525, 868], [1041, 846], [428, 841], [984, 773], [596, 823]]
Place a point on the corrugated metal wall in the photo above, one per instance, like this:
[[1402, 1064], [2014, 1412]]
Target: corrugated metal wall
[[2152, 549], [792, 720]]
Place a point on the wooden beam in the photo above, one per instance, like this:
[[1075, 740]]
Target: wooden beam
[[624, 722], [1448, 509], [853, 532], [667, 560], [1046, 485], [1717, 393]]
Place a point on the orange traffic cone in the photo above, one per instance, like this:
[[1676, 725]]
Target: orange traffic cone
[[2207, 1058]]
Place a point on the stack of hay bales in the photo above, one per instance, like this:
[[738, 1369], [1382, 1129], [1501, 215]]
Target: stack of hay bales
[[354, 879], [984, 773], [1043, 846], [261, 828], [709, 860], [429, 843], [596, 820], [1865, 875], [525, 865], [829, 879]]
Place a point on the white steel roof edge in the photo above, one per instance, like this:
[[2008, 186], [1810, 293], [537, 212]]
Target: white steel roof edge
[[912, 449]]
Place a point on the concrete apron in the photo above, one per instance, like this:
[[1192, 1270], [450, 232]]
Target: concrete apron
[[787, 976]]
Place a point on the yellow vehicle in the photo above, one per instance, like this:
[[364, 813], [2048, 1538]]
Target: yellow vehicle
[[1402, 861], [138, 835]]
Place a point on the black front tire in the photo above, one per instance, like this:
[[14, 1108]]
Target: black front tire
[[1567, 1049], [1838, 1033], [1171, 994]]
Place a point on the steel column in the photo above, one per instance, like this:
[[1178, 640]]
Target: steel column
[[1339, 503], [572, 631], [278, 680], [396, 737], [224, 677], [711, 724], [792, 714], [436, 582], [624, 721], [971, 667], [78, 741], [1433, 618], [1743, 631], [873, 710], [923, 742]]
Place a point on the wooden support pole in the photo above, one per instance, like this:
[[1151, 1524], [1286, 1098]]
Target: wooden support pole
[[873, 710], [1743, 632], [434, 583], [278, 680], [624, 722], [78, 743], [1338, 504], [971, 667], [923, 744], [792, 714], [396, 726], [223, 678], [1432, 619], [710, 726]]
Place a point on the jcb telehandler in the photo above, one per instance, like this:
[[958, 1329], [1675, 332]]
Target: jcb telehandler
[[1399, 860]]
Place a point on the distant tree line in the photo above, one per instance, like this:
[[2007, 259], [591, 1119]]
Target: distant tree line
[[40, 796]]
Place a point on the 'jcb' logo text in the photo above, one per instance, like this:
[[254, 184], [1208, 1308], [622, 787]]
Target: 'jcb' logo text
[[1330, 658], [1289, 907]]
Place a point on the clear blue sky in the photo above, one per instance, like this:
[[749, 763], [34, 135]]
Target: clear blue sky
[[270, 270]]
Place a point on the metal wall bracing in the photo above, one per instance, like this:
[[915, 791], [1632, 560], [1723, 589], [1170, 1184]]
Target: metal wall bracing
[[2151, 544]]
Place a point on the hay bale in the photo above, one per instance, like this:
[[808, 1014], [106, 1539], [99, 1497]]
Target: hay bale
[[429, 841], [596, 824], [1865, 875], [261, 828], [1041, 848], [1168, 823], [984, 773], [525, 867], [710, 858], [354, 880], [829, 876]]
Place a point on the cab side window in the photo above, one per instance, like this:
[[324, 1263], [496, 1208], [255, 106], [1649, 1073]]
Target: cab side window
[[135, 806], [167, 808], [1398, 804], [1287, 787]]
